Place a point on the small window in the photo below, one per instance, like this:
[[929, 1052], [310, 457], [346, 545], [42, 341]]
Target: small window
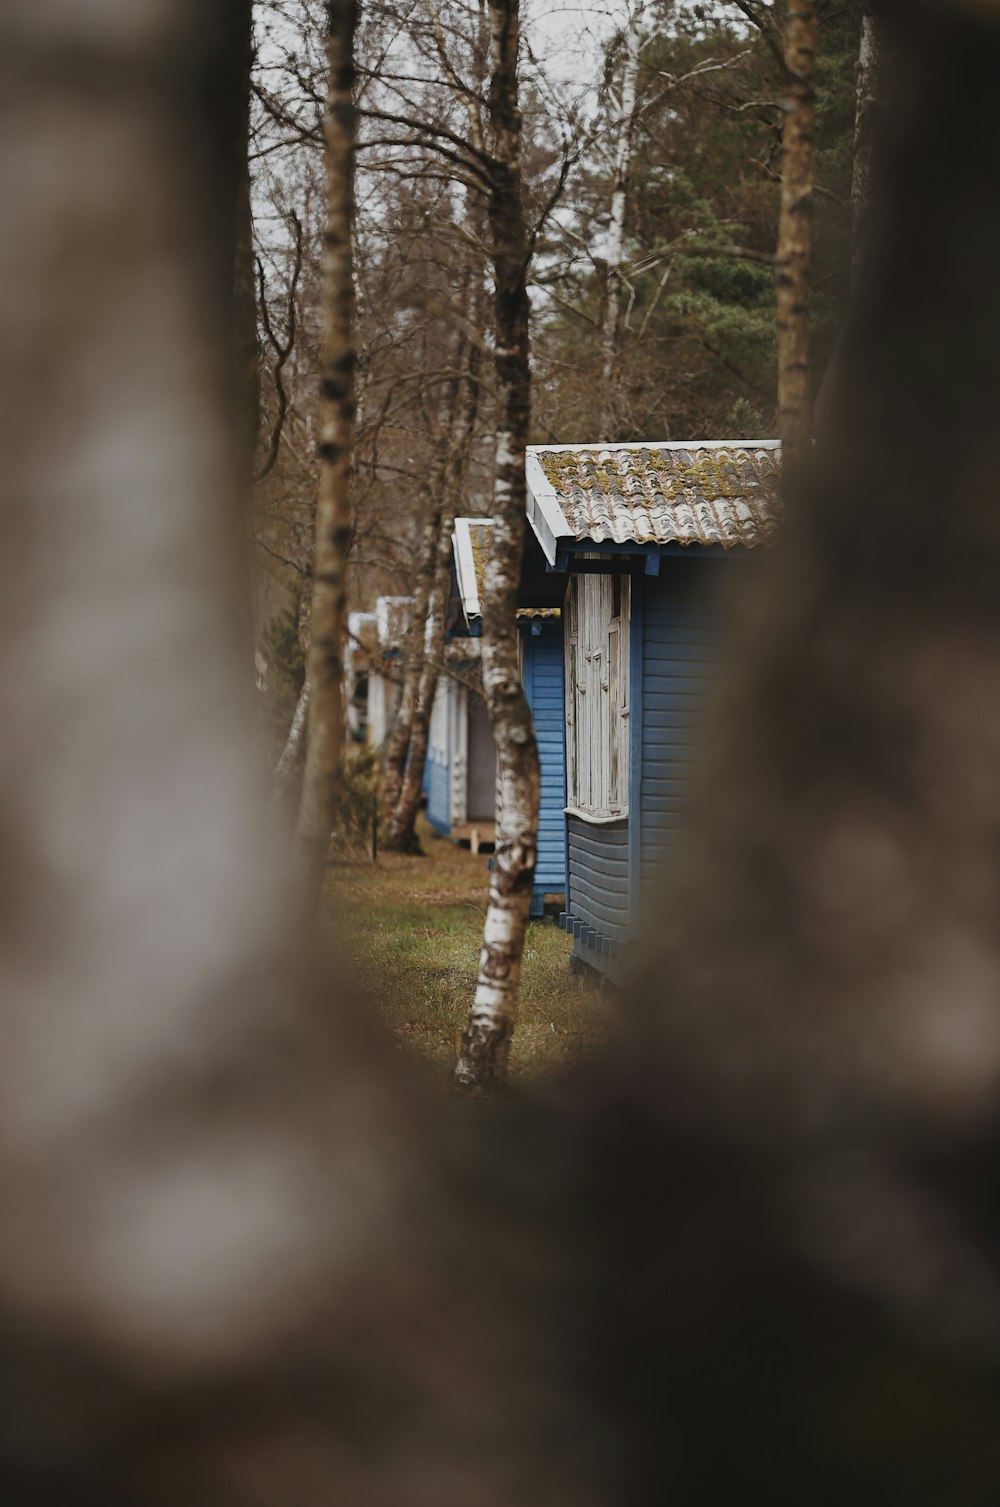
[[597, 682]]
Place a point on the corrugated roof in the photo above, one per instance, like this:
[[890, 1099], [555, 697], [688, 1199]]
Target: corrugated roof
[[472, 554], [707, 492]]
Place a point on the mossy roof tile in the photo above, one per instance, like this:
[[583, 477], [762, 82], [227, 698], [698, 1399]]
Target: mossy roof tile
[[699, 493]]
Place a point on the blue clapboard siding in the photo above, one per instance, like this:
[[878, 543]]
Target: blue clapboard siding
[[597, 891], [437, 769], [438, 786], [682, 655], [543, 684]]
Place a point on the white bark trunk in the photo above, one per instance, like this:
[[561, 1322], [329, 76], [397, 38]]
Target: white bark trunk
[[294, 744], [485, 1046], [611, 333]]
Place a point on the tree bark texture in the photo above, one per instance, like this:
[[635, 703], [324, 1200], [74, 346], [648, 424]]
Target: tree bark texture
[[486, 1040], [325, 659], [795, 232], [611, 332]]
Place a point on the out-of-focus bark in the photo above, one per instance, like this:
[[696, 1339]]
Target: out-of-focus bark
[[835, 928], [485, 1048], [795, 232], [611, 332], [169, 1210], [325, 660]]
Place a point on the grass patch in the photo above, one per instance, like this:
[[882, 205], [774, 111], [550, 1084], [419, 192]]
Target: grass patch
[[413, 927]]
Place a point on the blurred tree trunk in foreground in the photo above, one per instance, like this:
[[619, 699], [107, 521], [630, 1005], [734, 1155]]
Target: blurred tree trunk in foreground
[[795, 232], [241, 1262], [482, 1060], [325, 657]]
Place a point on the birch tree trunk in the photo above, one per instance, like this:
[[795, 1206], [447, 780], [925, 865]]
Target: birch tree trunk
[[291, 754], [398, 741], [795, 233], [325, 659], [245, 346], [402, 822], [870, 105], [485, 1048], [611, 332]]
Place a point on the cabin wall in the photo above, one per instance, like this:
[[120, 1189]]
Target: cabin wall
[[437, 771], [544, 679], [682, 656], [597, 888]]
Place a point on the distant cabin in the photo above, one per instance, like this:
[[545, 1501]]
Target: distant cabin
[[460, 775], [642, 538], [392, 623], [540, 645]]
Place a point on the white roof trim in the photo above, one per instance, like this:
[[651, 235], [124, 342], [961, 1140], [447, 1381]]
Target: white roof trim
[[465, 565], [544, 512]]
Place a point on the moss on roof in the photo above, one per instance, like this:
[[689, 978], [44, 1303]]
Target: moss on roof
[[691, 494]]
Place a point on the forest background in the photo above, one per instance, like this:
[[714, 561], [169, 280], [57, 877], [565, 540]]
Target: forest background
[[692, 275]]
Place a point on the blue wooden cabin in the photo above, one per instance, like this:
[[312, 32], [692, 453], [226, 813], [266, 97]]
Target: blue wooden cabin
[[460, 773], [642, 538], [540, 635]]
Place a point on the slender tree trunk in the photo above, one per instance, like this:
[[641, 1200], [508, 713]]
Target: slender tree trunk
[[294, 749], [870, 106], [402, 826], [398, 740], [247, 354], [795, 232], [611, 332], [325, 660], [486, 1041]]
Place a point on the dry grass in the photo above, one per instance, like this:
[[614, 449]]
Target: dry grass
[[414, 928]]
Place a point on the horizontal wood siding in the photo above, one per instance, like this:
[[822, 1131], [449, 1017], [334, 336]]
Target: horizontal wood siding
[[543, 676], [597, 891], [682, 654], [438, 786], [437, 770]]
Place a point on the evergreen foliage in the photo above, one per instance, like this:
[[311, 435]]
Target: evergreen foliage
[[698, 346]]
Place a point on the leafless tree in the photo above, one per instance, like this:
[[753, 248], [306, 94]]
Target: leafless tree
[[611, 332], [325, 659], [795, 232], [486, 1041]]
